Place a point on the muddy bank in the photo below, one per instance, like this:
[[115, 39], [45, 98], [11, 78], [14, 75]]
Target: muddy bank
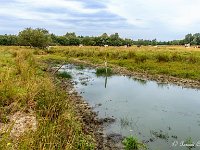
[[186, 83], [91, 123]]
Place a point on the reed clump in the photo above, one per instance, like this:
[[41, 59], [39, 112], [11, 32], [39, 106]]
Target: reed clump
[[104, 72]]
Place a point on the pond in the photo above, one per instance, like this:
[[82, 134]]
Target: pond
[[161, 115]]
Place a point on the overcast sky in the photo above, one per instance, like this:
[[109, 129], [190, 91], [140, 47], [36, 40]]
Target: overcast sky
[[147, 19]]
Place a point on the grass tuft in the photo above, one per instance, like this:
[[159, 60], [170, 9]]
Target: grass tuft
[[132, 143], [64, 75], [102, 72]]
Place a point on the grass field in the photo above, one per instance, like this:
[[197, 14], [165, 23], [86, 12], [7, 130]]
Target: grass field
[[26, 88], [174, 61]]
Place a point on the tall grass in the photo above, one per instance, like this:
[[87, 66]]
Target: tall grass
[[64, 75], [172, 61], [26, 88], [104, 72], [132, 143]]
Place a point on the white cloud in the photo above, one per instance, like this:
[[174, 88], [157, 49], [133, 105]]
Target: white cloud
[[174, 14], [24, 9], [162, 19]]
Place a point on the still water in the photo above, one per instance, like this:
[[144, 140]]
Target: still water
[[161, 115]]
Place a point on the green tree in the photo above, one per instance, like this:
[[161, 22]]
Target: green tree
[[188, 38], [196, 39], [154, 42], [62, 40], [73, 39], [8, 40], [34, 37], [115, 40]]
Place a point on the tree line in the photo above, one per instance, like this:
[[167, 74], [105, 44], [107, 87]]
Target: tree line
[[42, 38]]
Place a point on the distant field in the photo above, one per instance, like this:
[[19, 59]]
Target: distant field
[[176, 61]]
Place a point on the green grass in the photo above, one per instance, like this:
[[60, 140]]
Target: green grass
[[132, 143], [64, 75], [25, 87], [189, 143], [173, 61], [104, 72]]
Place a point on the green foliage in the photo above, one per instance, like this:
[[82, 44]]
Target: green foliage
[[41, 38], [85, 145], [8, 40], [188, 38], [64, 75], [102, 72], [34, 37], [189, 143], [132, 143], [193, 39]]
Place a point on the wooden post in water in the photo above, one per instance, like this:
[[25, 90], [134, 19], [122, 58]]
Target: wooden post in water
[[106, 80], [106, 72]]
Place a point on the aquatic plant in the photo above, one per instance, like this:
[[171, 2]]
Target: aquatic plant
[[125, 122], [132, 143], [64, 75], [102, 72], [80, 67], [160, 134], [189, 144]]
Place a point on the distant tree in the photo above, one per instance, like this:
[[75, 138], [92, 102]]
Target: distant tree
[[115, 40], [196, 39], [73, 39], [127, 42], [104, 39], [88, 41], [154, 42], [188, 38], [34, 37], [104, 35], [54, 39], [62, 40], [70, 34], [8, 40], [41, 38]]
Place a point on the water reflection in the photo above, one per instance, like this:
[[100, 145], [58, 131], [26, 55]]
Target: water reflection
[[148, 109], [106, 79], [141, 81]]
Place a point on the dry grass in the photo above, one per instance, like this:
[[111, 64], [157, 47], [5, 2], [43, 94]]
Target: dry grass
[[25, 88]]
